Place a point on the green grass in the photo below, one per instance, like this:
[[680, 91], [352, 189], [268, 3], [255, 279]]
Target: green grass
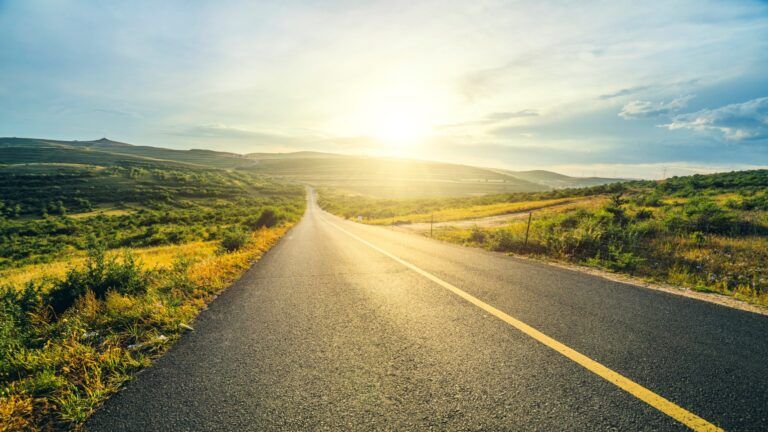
[[47, 214]]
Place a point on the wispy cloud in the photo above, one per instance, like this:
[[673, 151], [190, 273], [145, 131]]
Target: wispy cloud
[[118, 112], [494, 118], [218, 131], [735, 122], [623, 92], [647, 109], [501, 116]]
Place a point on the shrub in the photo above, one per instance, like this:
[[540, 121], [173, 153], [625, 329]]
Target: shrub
[[16, 305], [502, 240], [643, 214], [476, 235], [649, 199], [234, 239], [617, 259], [100, 274], [698, 238], [701, 215], [269, 218], [576, 234], [707, 216], [755, 202]]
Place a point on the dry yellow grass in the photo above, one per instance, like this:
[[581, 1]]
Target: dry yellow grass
[[152, 257], [100, 212], [217, 271], [476, 212]]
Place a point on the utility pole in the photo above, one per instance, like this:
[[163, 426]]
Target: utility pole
[[528, 229]]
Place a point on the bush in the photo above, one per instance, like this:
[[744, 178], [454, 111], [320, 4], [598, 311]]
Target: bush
[[702, 215], [235, 239], [754, 202], [502, 240], [15, 307], [476, 235], [649, 199], [698, 238], [643, 214], [269, 218], [615, 258], [100, 274], [575, 234]]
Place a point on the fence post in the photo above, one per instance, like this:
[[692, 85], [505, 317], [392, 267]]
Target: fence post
[[431, 222], [528, 229]]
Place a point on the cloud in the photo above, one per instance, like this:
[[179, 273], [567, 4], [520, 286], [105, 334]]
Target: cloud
[[501, 116], [233, 133], [735, 122], [493, 119], [247, 140], [646, 109], [623, 92], [118, 112]]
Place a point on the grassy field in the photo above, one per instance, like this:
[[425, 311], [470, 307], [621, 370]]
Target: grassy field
[[474, 212], [103, 266], [48, 213], [707, 233]]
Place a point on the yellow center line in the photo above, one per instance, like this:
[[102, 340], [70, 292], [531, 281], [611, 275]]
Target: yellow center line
[[660, 403]]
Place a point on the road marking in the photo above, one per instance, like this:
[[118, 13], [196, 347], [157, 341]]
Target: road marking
[[660, 403]]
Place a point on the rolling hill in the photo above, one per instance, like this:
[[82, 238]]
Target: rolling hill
[[560, 181], [26, 150], [377, 176]]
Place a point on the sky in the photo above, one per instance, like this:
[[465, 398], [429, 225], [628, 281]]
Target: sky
[[621, 89]]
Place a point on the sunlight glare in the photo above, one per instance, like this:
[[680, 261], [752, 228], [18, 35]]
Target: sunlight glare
[[400, 127], [399, 116]]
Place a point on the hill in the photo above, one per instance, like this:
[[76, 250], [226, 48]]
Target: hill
[[105, 151], [376, 176], [560, 181], [390, 177]]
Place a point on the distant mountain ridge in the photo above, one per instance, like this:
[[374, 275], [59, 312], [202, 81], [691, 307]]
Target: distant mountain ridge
[[385, 176]]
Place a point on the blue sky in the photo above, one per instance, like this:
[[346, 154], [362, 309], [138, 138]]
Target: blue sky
[[609, 88]]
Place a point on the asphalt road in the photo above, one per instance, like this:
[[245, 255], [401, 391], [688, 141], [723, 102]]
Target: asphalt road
[[328, 333]]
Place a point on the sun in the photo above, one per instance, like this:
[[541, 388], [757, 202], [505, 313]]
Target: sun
[[395, 118], [400, 127]]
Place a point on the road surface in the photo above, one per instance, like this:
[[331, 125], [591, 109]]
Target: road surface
[[343, 326]]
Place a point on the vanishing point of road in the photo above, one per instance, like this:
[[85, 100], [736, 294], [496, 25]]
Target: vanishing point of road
[[343, 326]]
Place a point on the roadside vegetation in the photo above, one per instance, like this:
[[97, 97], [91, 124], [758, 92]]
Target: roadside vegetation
[[705, 232], [103, 267], [389, 211]]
